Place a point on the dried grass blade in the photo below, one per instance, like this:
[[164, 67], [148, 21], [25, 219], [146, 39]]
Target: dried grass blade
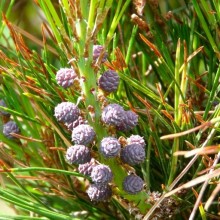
[[204, 151], [172, 136], [194, 182], [212, 197]]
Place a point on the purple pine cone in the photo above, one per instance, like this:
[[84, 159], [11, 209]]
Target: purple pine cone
[[83, 134], [66, 112], [78, 154], [65, 77], [99, 193], [101, 174], [109, 81], [97, 50], [136, 139], [10, 127], [2, 112], [133, 154], [110, 147], [86, 168], [113, 114], [129, 121], [133, 184], [79, 121]]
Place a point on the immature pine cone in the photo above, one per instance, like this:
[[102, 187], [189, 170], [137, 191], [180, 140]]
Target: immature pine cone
[[110, 147], [97, 50], [2, 112], [86, 168], [133, 154], [113, 114], [129, 121], [83, 134], [66, 112], [109, 81], [10, 127], [136, 139], [99, 193], [101, 174], [78, 154], [133, 184], [65, 77], [79, 121]]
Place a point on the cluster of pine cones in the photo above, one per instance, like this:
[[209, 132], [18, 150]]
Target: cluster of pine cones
[[84, 135]]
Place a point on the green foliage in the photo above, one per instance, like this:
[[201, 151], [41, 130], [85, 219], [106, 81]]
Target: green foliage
[[167, 57]]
